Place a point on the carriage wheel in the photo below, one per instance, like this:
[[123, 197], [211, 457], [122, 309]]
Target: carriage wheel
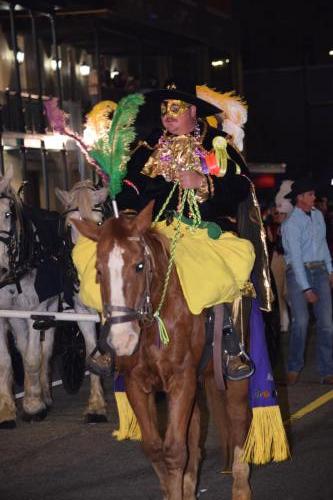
[[71, 357]]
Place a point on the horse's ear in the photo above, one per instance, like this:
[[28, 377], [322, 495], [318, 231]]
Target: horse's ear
[[87, 228], [5, 180], [100, 195], [144, 219], [63, 196]]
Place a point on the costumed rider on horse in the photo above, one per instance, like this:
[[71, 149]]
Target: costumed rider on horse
[[203, 202]]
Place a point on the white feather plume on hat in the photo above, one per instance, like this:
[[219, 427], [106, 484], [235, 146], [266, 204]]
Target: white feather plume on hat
[[233, 111], [283, 204]]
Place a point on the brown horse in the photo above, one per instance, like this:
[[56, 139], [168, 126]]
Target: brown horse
[[132, 262]]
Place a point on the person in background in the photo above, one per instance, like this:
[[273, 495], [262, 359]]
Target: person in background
[[278, 265], [280, 212], [309, 279]]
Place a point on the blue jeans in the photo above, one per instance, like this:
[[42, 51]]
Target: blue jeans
[[319, 282]]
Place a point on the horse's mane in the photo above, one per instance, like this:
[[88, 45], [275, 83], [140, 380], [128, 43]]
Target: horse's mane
[[80, 198], [159, 246]]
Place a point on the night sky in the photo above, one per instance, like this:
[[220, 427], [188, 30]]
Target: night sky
[[285, 33]]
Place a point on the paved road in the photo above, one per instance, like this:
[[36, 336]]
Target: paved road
[[63, 459]]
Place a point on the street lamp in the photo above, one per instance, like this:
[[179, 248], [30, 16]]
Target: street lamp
[[55, 63], [220, 62], [114, 73], [20, 56], [84, 69]]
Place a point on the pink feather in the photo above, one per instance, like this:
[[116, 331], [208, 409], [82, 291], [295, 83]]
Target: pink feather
[[56, 117]]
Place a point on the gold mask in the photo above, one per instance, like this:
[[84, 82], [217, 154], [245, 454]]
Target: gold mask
[[174, 108]]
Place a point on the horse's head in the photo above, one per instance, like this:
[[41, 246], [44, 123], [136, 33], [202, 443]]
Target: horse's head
[[8, 215], [123, 267], [83, 201]]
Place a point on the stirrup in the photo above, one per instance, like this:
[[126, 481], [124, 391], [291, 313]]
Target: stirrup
[[101, 365], [237, 367]]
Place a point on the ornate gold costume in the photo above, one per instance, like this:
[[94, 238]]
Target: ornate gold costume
[[174, 154]]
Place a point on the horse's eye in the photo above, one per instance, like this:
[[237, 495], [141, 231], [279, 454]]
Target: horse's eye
[[8, 214], [99, 223], [139, 267]]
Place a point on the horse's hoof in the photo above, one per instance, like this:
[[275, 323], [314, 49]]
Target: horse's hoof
[[94, 418], [35, 417], [8, 424]]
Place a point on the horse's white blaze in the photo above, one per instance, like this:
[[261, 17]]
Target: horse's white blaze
[[124, 336]]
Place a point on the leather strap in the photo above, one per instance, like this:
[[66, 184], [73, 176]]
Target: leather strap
[[218, 348]]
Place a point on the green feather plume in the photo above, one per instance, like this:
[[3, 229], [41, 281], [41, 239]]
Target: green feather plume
[[112, 152]]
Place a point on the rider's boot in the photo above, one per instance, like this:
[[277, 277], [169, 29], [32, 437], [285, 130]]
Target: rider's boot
[[237, 364]]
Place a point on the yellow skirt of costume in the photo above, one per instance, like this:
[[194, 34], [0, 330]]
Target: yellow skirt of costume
[[84, 258], [211, 271]]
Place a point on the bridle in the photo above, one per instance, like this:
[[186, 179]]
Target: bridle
[[143, 313], [7, 237], [102, 208], [20, 252], [96, 208]]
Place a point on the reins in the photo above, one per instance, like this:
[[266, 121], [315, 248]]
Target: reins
[[187, 196], [144, 313]]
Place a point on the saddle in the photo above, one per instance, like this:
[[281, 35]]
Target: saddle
[[223, 345]]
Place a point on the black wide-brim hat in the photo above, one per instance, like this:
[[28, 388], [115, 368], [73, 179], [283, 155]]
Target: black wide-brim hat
[[184, 93], [301, 186]]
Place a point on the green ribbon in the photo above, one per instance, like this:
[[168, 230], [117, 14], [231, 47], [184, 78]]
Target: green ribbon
[[163, 333]]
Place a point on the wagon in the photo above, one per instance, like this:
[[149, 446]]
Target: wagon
[[69, 351]]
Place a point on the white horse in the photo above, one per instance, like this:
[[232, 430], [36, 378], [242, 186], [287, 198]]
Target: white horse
[[84, 201], [18, 273]]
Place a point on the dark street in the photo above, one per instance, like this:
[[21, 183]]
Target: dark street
[[62, 458]]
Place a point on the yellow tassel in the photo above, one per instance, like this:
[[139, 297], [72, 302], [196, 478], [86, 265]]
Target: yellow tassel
[[128, 424], [266, 440]]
